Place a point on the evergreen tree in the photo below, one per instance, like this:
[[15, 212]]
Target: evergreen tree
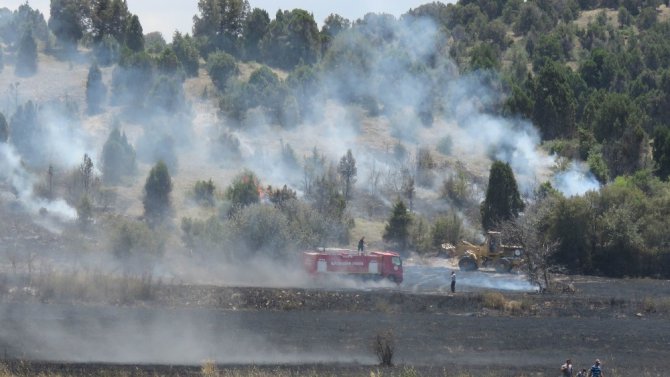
[[4, 129], [96, 91], [118, 157], [255, 27], [157, 191], [661, 151], [221, 67], [26, 56], [67, 21], [503, 201], [187, 53], [134, 36], [347, 170], [26, 131], [397, 229], [244, 190]]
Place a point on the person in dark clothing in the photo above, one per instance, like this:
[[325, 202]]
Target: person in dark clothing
[[453, 281], [361, 245], [596, 370]]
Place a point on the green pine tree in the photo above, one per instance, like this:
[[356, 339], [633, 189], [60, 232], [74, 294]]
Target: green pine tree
[[503, 201]]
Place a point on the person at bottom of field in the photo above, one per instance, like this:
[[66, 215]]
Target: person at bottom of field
[[453, 281], [566, 369], [596, 370]]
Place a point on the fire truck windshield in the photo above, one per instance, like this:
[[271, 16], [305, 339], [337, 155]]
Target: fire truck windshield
[[396, 261]]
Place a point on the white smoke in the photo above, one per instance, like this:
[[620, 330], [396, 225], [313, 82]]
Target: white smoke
[[22, 183], [577, 180]]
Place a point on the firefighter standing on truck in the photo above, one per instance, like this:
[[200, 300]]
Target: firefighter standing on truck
[[361, 246]]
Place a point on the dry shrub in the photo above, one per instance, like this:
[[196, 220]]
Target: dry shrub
[[514, 307], [493, 300], [656, 305], [86, 286], [209, 369], [384, 347]]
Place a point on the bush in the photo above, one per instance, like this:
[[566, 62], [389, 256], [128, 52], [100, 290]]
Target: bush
[[157, 189], [444, 145], [135, 244], [203, 192], [221, 67], [384, 348], [244, 190]]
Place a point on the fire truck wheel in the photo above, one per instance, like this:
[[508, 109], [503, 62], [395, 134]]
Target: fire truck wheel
[[391, 278]]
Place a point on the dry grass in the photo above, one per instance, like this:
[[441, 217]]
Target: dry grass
[[94, 286]]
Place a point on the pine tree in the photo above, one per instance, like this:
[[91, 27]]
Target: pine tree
[[26, 57], [503, 201], [397, 229], [134, 36], [96, 91], [118, 157], [4, 129], [157, 191], [347, 170]]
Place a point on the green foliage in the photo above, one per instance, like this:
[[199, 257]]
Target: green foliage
[[244, 190], [555, 105], [661, 151], [135, 244], [134, 37], [109, 18], [397, 230], [255, 27], [447, 229], [154, 42], [26, 56], [4, 129], [261, 229], [456, 189], [68, 20], [292, 39], [187, 53], [167, 94], [502, 201], [221, 24], [347, 170], [168, 63], [132, 79], [25, 129], [597, 164], [157, 189], [484, 57], [118, 158], [424, 168], [96, 90], [15, 24], [221, 67], [107, 51], [203, 192], [84, 212]]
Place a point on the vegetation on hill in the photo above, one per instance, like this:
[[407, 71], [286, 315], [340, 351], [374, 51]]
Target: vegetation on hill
[[592, 76]]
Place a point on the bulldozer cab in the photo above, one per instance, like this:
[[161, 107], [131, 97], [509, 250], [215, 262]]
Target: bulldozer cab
[[493, 242]]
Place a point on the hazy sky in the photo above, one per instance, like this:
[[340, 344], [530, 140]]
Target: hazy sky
[[157, 15]]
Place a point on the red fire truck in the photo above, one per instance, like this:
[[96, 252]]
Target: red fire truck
[[375, 265]]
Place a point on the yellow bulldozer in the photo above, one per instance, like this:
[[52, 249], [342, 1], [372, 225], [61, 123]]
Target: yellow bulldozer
[[491, 254]]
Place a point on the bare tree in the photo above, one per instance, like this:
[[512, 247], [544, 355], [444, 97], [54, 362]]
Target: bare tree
[[529, 230]]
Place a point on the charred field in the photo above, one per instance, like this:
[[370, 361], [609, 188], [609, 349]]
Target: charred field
[[248, 331]]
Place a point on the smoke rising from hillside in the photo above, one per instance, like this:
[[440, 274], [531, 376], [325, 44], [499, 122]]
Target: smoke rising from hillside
[[22, 183], [408, 91]]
